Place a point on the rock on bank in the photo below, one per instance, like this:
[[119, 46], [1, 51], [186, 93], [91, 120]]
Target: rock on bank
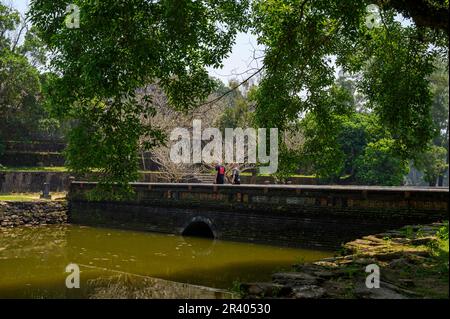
[[13, 214]]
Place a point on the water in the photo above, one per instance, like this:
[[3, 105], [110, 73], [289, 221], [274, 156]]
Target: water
[[128, 264]]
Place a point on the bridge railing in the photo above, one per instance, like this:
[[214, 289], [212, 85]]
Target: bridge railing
[[283, 197]]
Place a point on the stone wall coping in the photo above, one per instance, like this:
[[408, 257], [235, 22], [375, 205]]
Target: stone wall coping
[[213, 187]]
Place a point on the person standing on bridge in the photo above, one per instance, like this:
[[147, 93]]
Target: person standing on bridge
[[220, 176], [236, 175]]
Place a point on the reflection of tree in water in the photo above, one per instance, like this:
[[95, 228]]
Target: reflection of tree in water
[[23, 242], [32, 261], [129, 286]]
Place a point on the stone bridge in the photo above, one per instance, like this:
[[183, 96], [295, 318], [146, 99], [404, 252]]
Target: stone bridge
[[310, 216]]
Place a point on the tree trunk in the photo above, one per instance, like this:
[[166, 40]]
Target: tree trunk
[[441, 180], [144, 168], [432, 182]]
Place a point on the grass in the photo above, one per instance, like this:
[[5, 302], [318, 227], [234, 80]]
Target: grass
[[432, 276], [440, 249], [29, 197], [236, 288], [19, 197], [268, 175], [424, 269], [34, 169]]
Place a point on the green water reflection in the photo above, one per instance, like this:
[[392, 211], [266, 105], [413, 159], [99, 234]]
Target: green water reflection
[[33, 261]]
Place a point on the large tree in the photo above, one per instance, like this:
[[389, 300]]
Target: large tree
[[22, 114], [434, 161], [119, 47], [354, 148], [122, 45], [391, 56]]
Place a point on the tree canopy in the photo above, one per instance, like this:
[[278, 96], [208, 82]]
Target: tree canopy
[[22, 52], [308, 41], [121, 46]]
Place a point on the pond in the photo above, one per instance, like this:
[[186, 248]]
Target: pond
[[129, 264]]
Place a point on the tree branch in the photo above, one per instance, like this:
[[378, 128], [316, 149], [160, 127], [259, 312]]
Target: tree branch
[[232, 89], [425, 13]]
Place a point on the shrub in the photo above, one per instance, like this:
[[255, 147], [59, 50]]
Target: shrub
[[380, 166]]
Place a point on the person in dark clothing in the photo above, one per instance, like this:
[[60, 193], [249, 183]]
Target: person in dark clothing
[[236, 175], [220, 176]]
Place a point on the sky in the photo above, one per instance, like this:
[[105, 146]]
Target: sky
[[239, 65]]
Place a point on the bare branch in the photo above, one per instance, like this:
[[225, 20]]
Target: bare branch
[[232, 89]]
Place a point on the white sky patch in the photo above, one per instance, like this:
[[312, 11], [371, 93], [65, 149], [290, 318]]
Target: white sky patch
[[244, 60]]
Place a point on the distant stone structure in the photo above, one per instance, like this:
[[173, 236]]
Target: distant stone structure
[[33, 153], [46, 192], [31, 182], [415, 178]]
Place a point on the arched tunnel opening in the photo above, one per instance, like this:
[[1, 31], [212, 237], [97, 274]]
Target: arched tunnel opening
[[198, 229]]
